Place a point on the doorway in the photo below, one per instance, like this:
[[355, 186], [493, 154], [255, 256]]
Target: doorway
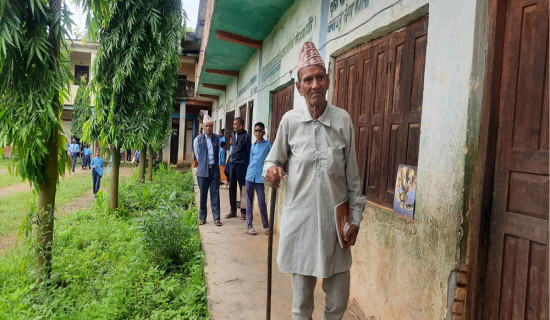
[[510, 252]]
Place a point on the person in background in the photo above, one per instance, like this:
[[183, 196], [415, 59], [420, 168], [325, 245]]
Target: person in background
[[318, 143], [254, 181], [86, 157], [222, 135], [207, 149], [129, 155], [67, 146], [239, 163], [137, 155], [97, 171], [221, 161], [228, 164], [74, 149]]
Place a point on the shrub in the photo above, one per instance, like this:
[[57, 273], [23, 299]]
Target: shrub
[[171, 236], [167, 186]]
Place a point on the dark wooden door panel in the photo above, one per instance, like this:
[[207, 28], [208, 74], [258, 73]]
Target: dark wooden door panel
[[282, 101], [403, 114], [229, 117], [375, 115], [517, 267]]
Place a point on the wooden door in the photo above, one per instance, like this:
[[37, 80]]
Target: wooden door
[[517, 265], [250, 126], [282, 101], [229, 117], [242, 111]]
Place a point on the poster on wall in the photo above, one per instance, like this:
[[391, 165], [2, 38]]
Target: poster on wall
[[405, 191]]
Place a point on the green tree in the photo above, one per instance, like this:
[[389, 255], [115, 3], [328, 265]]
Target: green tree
[[34, 77], [130, 34], [82, 111]]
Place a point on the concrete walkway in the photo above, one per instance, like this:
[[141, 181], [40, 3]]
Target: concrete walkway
[[235, 268]]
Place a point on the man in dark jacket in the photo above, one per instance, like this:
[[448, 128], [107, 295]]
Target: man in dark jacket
[[240, 157], [207, 148]]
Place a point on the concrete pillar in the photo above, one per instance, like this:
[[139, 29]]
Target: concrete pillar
[[181, 138], [166, 150]]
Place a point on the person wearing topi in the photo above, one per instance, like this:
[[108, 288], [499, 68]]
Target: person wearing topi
[[318, 143], [207, 149]]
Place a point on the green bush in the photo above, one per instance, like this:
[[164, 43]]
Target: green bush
[[168, 186], [171, 236]]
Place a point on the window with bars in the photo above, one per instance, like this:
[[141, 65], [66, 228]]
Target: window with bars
[[381, 84]]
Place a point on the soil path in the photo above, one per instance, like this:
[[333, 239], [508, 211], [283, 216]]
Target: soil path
[[79, 203], [25, 186]]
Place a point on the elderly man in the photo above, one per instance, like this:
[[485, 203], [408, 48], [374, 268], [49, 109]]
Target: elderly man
[[207, 149], [318, 144]]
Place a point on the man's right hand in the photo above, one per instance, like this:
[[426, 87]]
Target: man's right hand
[[274, 175]]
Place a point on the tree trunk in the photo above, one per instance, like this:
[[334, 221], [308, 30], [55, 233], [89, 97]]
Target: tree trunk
[[142, 157], [150, 163], [115, 168], [47, 189]]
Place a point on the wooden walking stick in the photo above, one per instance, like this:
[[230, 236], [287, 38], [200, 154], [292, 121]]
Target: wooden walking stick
[[270, 251]]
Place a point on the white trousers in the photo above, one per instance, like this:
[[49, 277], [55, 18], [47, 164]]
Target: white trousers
[[336, 288]]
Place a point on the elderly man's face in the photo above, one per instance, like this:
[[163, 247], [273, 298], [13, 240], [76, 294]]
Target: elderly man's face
[[237, 125], [313, 85], [208, 128]]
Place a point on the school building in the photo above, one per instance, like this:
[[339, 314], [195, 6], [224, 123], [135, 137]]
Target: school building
[[456, 89]]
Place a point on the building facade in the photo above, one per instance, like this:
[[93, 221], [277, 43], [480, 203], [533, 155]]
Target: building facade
[[456, 89]]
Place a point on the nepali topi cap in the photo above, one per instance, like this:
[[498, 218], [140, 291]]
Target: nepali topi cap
[[207, 119], [309, 56]]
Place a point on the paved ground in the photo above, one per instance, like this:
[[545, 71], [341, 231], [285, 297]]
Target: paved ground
[[236, 271]]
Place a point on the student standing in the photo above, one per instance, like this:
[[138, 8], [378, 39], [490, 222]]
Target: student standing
[[254, 181], [137, 155], [74, 148], [97, 171], [87, 157], [221, 162]]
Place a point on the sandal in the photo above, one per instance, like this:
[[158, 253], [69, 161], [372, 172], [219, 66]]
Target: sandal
[[218, 223], [230, 215], [267, 231], [252, 232], [243, 216], [201, 222]]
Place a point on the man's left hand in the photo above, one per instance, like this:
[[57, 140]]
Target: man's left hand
[[351, 235]]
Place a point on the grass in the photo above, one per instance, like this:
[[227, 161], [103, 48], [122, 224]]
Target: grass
[[14, 207], [104, 268], [7, 179]]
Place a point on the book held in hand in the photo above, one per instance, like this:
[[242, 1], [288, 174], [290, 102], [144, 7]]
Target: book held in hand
[[343, 220]]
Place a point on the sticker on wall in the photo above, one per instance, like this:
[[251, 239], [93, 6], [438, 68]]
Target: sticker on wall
[[405, 191]]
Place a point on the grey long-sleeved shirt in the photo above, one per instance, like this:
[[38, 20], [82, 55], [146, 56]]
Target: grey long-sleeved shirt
[[322, 172]]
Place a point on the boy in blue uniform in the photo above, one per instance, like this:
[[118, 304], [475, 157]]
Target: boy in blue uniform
[[86, 156], [97, 171], [254, 181], [74, 148]]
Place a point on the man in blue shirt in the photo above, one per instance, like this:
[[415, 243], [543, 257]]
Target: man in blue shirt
[[254, 181], [74, 149], [97, 171], [207, 149]]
